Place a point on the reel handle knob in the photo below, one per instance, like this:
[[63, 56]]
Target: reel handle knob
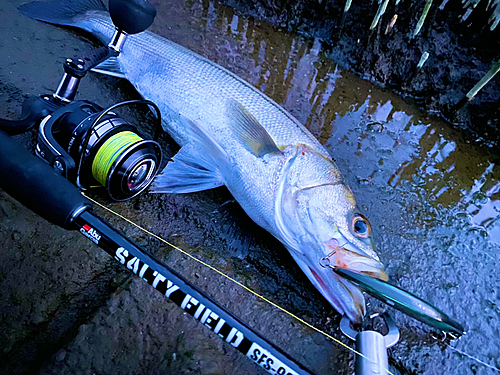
[[132, 16]]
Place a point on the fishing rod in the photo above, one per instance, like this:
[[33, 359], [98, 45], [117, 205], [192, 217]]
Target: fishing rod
[[33, 183], [80, 143]]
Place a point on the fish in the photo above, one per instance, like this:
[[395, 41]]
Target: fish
[[232, 134]]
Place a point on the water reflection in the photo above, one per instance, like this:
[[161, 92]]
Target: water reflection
[[435, 199], [484, 211], [432, 194]]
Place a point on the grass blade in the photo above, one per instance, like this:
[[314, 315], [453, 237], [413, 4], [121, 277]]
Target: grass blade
[[422, 18], [381, 10], [487, 77]]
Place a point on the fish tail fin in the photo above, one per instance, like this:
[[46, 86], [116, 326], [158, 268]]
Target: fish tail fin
[[89, 15], [62, 12]]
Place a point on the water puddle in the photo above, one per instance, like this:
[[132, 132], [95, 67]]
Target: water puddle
[[431, 192]]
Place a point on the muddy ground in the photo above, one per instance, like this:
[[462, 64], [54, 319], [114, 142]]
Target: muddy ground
[[68, 308], [460, 53]]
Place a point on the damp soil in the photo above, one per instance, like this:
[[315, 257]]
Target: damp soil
[[430, 190]]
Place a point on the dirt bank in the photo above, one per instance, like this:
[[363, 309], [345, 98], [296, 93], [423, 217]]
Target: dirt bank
[[459, 53]]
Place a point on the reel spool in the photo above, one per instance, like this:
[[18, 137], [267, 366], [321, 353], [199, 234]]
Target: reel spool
[[91, 146]]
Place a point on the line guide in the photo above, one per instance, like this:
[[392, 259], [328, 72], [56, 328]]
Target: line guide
[[234, 281]]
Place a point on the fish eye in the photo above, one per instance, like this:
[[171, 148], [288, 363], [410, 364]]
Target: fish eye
[[361, 226]]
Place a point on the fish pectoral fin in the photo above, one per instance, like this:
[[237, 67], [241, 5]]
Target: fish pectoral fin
[[110, 67], [196, 167], [249, 131], [188, 172]]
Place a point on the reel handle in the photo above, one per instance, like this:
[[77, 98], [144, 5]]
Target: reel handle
[[33, 183], [132, 16]]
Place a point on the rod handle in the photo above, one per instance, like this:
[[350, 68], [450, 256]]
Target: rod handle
[[32, 182]]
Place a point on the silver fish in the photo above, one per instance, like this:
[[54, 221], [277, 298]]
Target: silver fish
[[232, 134]]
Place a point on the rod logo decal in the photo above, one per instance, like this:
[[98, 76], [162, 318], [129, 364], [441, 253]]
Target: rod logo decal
[[268, 362], [209, 318], [185, 301], [191, 301], [90, 233]]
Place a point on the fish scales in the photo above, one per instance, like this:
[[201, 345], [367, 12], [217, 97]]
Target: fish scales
[[168, 70], [232, 134], [180, 81]]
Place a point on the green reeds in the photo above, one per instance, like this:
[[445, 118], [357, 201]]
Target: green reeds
[[422, 18], [487, 77], [381, 10], [423, 59], [347, 6], [469, 6], [494, 5], [495, 16]]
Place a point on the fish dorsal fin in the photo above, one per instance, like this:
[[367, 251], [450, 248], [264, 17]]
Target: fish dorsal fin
[[110, 67], [249, 131], [196, 167]]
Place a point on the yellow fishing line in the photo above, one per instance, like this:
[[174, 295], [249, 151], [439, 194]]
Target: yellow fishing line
[[108, 153], [236, 282]]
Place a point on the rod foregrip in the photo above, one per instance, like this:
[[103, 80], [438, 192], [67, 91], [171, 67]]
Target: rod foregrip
[[32, 182]]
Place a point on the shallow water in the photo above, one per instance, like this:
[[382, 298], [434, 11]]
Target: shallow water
[[430, 191]]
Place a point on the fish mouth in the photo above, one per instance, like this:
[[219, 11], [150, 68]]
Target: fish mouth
[[345, 258], [343, 295]]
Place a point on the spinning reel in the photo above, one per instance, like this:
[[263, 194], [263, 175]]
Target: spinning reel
[[88, 145]]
